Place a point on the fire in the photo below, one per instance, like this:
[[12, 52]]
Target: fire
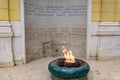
[[67, 54]]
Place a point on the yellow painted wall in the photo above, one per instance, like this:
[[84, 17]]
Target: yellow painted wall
[[4, 10], [96, 10], [14, 10], [9, 10], [106, 10], [107, 14], [117, 11]]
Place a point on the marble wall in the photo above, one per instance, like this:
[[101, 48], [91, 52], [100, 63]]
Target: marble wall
[[48, 22]]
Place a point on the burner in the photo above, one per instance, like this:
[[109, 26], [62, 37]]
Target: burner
[[61, 70]]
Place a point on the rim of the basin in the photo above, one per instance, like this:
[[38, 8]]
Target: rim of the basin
[[54, 61], [69, 73]]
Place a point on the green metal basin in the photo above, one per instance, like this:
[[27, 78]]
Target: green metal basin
[[69, 73]]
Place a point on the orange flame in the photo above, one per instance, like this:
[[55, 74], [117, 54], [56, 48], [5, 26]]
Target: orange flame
[[67, 54]]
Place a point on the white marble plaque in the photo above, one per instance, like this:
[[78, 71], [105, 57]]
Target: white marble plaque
[[48, 22]]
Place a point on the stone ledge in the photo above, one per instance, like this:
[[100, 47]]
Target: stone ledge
[[108, 33], [18, 62], [6, 34], [6, 64], [105, 58], [109, 24]]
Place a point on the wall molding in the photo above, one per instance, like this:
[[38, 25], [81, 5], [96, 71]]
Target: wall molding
[[6, 34], [109, 24], [106, 33], [5, 24]]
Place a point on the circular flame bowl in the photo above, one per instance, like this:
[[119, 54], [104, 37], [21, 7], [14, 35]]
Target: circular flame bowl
[[78, 70]]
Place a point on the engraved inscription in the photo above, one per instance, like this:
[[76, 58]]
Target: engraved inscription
[[55, 10]]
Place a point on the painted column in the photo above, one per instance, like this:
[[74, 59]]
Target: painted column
[[6, 34], [105, 33], [11, 33], [16, 12]]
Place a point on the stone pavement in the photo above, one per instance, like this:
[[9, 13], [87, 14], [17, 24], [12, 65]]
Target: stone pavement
[[37, 70]]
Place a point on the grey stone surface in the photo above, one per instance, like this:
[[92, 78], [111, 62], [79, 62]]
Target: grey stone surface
[[37, 70], [59, 78]]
